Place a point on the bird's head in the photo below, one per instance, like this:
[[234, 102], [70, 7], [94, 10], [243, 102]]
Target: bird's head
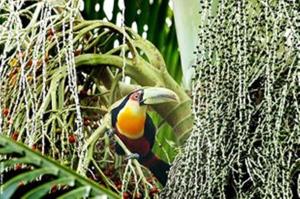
[[152, 95], [130, 112]]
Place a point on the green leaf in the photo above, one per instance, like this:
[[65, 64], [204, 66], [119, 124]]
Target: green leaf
[[82, 191], [42, 190], [154, 16], [37, 166], [11, 186]]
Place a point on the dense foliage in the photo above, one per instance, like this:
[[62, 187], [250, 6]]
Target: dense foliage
[[245, 142], [59, 76]]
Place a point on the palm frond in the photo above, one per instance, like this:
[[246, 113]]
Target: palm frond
[[22, 167]]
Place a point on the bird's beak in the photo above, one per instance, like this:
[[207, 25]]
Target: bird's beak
[[157, 95]]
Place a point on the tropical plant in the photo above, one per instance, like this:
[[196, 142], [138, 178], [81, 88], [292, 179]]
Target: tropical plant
[[154, 20], [22, 168], [59, 74], [245, 141]]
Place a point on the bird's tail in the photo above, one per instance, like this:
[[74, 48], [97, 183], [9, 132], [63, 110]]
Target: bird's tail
[[158, 167]]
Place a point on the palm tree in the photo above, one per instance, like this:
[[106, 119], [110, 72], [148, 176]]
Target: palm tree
[[244, 143], [245, 94], [59, 75]]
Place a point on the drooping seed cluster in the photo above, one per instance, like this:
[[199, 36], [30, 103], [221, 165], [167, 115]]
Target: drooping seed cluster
[[246, 94], [33, 58], [58, 109]]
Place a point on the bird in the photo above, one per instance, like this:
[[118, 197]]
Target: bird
[[132, 124]]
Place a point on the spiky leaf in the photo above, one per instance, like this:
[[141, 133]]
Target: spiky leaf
[[41, 174]]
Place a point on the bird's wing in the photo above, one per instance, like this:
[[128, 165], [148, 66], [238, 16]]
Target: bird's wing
[[149, 130]]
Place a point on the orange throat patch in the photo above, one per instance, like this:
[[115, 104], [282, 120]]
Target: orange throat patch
[[131, 120]]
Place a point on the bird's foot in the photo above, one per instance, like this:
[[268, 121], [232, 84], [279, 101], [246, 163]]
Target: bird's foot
[[131, 156], [110, 132]]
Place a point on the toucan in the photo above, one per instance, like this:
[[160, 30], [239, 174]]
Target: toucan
[[135, 127]]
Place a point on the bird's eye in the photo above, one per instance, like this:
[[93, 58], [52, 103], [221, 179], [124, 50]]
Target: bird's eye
[[136, 96]]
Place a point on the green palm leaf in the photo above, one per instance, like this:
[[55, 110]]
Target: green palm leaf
[[36, 166], [145, 14]]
